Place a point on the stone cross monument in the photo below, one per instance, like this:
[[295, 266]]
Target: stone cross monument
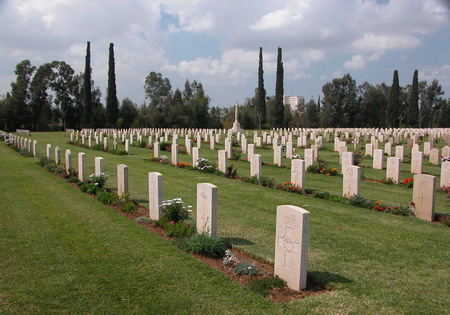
[[236, 125]]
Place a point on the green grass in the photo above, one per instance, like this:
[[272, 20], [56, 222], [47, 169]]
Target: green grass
[[378, 262]]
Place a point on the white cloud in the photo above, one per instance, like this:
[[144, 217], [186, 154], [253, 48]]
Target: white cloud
[[373, 42], [275, 19], [359, 61]]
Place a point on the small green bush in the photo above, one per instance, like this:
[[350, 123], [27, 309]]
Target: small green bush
[[267, 182], [43, 160], [73, 179], [235, 156], [179, 229], [231, 172], [143, 144], [362, 202], [108, 198], [263, 286], [88, 188], [50, 167], [59, 169], [246, 268], [165, 146], [98, 147], [128, 207], [401, 210], [321, 195], [388, 181], [144, 219], [209, 246], [175, 210], [98, 180]]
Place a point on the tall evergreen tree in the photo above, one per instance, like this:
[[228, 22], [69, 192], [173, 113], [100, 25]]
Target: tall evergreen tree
[[278, 114], [112, 104], [318, 103], [413, 110], [393, 107], [87, 92], [260, 93]]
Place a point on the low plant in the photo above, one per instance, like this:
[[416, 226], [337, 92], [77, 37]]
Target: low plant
[[43, 160], [357, 158], [206, 245], [183, 165], [266, 182], [97, 146], [264, 285], [443, 219], [388, 181], [73, 179], [231, 172], [401, 210], [175, 210], [165, 146], [251, 180], [144, 219], [128, 207], [88, 188], [230, 260], [59, 169], [246, 268], [362, 202], [177, 229], [25, 152], [98, 179], [108, 198], [291, 187], [236, 156], [205, 165], [408, 182], [321, 195]]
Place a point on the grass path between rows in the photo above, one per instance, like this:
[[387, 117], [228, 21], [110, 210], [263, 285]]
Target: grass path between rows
[[64, 252]]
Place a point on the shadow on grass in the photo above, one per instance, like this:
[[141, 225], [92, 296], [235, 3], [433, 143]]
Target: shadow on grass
[[326, 279], [237, 241]]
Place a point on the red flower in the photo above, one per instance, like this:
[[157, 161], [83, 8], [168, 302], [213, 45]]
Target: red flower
[[411, 179], [395, 208], [412, 203]]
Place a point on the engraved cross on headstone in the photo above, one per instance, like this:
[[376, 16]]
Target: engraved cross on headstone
[[289, 246]]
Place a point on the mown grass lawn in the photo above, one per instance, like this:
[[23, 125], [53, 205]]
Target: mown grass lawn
[[378, 262]]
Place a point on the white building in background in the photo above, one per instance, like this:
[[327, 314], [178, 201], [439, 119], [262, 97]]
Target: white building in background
[[294, 101]]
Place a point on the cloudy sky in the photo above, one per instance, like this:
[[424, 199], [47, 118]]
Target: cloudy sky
[[217, 42]]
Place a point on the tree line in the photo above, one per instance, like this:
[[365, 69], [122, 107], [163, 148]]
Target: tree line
[[53, 97], [345, 104]]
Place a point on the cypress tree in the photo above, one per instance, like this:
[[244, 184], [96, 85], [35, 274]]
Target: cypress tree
[[393, 107], [87, 92], [261, 93], [278, 117], [413, 110], [112, 104], [318, 103]]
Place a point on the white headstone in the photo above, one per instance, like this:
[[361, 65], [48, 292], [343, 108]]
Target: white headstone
[[207, 208], [122, 179], [393, 169], [99, 166], [81, 167], [424, 196], [256, 166], [298, 173], [291, 245], [351, 179], [155, 195]]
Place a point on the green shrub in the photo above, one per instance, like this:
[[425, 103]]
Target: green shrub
[[443, 219], [43, 160], [252, 180], [321, 195], [73, 179], [388, 181], [88, 188], [267, 182], [231, 172], [246, 268], [108, 198], [144, 219], [121, 152], [25, 152], [143, 144], [59, 169], [205, 165], [128, 207], [50, 167], [98, 180], [209, 246], [263, 286], [175, 210], [235, 156], [362, 202], [401, 210], [165, 146], [179, 229]]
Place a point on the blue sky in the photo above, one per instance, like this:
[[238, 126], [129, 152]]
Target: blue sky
[[217, 42]]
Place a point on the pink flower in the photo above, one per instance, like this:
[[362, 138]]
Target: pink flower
[[172, 222]]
